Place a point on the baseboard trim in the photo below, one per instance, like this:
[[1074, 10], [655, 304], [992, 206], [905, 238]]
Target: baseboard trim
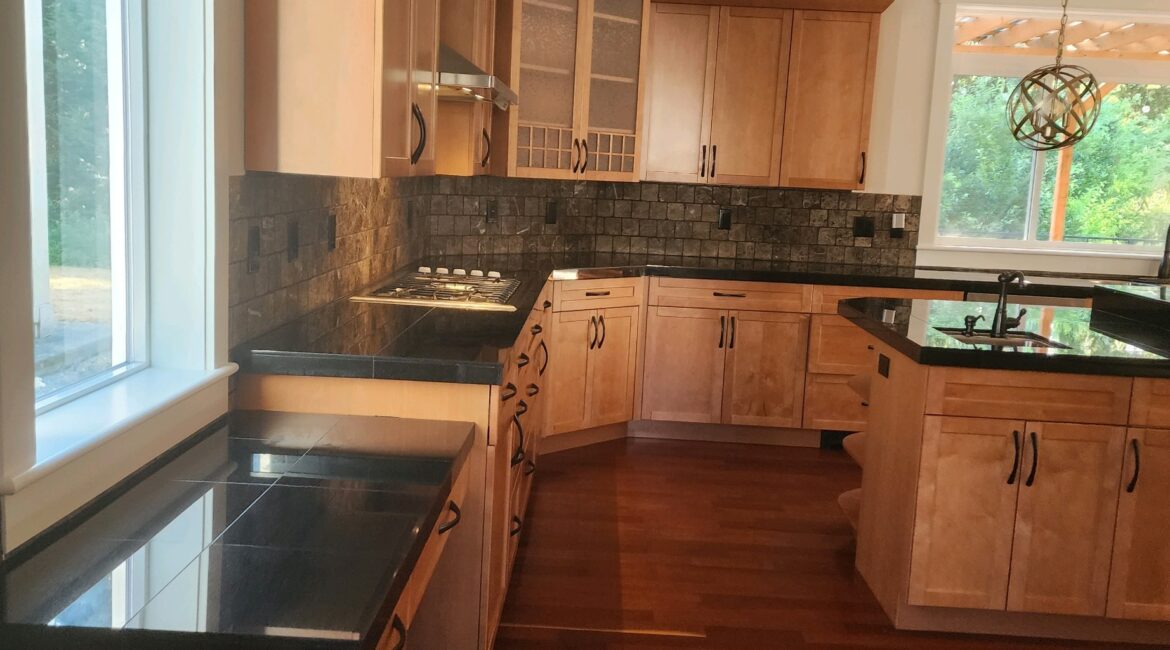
[[551, 444], [725, 433]]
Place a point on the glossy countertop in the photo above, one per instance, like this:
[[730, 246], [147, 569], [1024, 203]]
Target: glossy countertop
[[382, 341], [277, 530], [910, 326]]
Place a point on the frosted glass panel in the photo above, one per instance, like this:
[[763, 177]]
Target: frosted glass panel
[[616, 46], [546, 98], [614, 60], [613, 105], [622, 8], [547, 61]]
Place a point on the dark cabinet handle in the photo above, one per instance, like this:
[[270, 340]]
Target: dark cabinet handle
[[703, 164], [517, 524], [861, 181], [529, 468], [521, 408], [518, 457], [1035, 460], [1137, 466], [731, 344], [585, 163], [592, 331], [543, 366], [714, 151], [724, 294], [522, 360], [416, 155], [508, 393], [577, 152], [454, 508], [536, 329], [547, 304], [487, 150], [1015, 459], [596, 294], [722, 329], [533, 390], [601, 324], [400, 628]]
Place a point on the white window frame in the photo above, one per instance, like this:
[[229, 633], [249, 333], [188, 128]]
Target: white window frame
[[949, 63], [129, 264]]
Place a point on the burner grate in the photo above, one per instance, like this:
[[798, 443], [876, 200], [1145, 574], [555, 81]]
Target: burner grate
[[448, 291]]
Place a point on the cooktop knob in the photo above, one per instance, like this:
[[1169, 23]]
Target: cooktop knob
[[460, 272], [424, 269], [493, 274], [442, 270], [477, 273]]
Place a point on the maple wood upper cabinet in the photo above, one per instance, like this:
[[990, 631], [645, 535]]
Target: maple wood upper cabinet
[[577, 66], [341, 89], [830, 92], [716, 79], [463, 143]]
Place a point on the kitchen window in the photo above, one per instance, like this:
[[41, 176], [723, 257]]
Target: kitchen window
[[1109, 192], [87, 194]]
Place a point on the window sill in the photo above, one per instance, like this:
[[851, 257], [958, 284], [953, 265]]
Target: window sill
[[74, 429]]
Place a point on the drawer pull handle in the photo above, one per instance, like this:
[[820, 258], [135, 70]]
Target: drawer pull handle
[[521, 408], [522, 361], [724, 294], [454, 508], [1035, 460], [1015, 459], [518, 457], [596, 294], [400, 628], [508, 393], [517, 524], [601, 323], [529, 468], [536, 329], [543, 366], [1137, 467], [533, 389], [547, 304]]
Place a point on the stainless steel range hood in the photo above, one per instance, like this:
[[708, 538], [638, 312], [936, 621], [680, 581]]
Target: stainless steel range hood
[[462, 80]]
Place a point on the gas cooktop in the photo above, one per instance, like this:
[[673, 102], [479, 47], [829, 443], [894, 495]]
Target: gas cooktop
[[444, 288]]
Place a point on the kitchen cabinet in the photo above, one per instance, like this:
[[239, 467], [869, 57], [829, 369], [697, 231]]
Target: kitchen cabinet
[[1015, 515], [830, 93], [594, 358], [724, 366], [463, 130], [717, 81], [577, 66], [1141, 557], [831, 403], [346, 90]]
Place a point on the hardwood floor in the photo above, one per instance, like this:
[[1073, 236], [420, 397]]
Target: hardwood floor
[[660, 544]]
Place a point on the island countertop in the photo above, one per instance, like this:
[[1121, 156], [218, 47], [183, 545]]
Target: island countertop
[[278, 530], [380, 341], [911, 327]]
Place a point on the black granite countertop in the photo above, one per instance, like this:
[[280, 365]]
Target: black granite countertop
[[909, 326], [278, 530], [380, 341]]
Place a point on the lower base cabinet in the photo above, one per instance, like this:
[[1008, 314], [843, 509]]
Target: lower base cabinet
[[1138, 588], [594, 357], [1016, 516]]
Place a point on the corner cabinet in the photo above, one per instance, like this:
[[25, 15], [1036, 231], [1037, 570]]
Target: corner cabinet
[[755, 96], [577, 66], [345, 89]]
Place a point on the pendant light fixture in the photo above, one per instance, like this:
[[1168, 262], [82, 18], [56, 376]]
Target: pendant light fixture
[[1055, 106]]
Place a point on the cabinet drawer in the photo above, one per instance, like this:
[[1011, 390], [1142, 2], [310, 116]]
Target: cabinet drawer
[[824, 299], [831, 403], [836, 346], [1151, 403], [721, 294], [576, 295], [1035, 396]]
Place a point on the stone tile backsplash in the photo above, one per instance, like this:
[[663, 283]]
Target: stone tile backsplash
[[383, 225]]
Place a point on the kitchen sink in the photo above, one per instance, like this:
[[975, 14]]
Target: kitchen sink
[[1153, 281], [1012, 340]]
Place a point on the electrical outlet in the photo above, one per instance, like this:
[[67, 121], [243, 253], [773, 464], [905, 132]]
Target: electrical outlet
[[331, 231], [724, 218], [550, 212], [253, 249], [294, 239], [898, 225], [863, 227], [491, 210]]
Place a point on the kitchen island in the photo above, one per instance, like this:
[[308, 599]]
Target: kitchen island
[[1014, 490]]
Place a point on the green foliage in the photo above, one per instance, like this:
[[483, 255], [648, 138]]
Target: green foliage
[[77, 132], [1119, 183]]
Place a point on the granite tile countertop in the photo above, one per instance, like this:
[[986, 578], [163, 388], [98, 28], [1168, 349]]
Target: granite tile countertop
[[911, 327], [278, 531], [346, 339]]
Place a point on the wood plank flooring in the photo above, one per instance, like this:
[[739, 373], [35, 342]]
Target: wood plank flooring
[[661, 544]]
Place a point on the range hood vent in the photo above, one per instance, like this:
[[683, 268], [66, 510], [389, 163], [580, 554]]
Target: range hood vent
[[462, 80]]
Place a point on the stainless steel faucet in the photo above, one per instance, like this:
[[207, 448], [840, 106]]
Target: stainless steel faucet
[[1001, 323]]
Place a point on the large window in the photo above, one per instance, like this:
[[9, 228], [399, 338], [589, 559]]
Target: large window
[[87, 220], [1111, 191]]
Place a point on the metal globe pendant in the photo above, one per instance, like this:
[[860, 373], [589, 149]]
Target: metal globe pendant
[[1055, 106]]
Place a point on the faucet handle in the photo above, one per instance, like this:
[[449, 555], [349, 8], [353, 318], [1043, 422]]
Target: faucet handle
[[1012, 323], [969, 324]]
